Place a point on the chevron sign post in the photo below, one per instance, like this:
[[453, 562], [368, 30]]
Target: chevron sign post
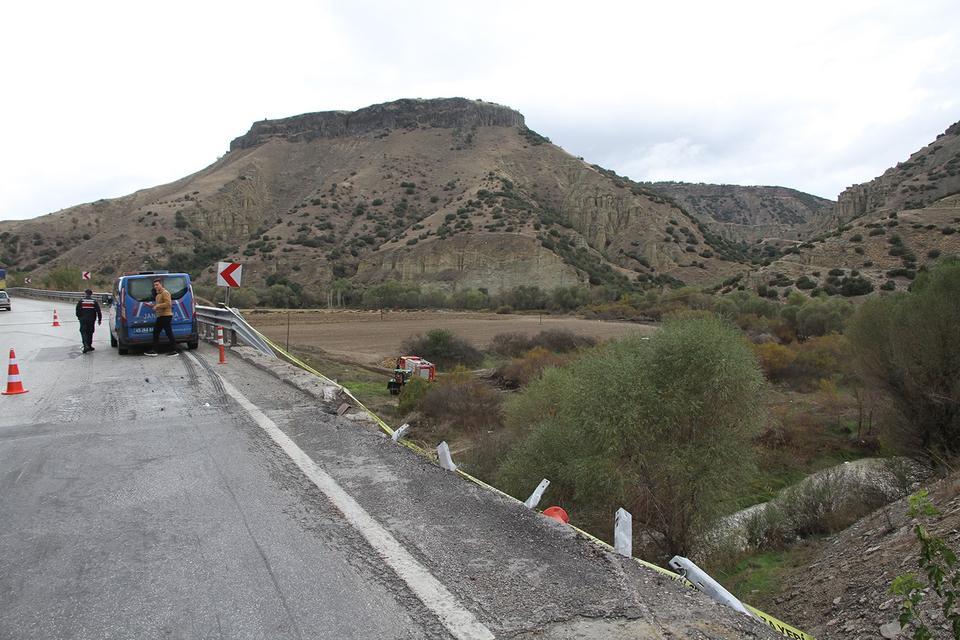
[[228, 275]]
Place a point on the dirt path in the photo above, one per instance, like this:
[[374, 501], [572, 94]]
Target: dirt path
[[368, 336]]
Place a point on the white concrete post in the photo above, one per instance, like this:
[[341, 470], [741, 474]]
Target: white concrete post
[[623, 533], [443, 453], [400, 432], [534, 498]]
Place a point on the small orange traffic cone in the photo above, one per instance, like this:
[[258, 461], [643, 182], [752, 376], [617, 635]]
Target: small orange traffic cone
[[558, 514], [56, 320], [14, 385], [223, 356]]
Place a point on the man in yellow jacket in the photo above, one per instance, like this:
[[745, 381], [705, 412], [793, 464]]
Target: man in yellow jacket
[[163, 308]]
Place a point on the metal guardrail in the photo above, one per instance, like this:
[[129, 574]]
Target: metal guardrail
[[208, 318], [235, 324], [46, 294]]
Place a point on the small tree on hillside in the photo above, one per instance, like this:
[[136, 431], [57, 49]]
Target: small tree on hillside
[[908, 345], [66, 278], [660, 426]]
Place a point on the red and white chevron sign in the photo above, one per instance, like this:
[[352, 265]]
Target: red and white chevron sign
[[84, 275], [228, 274]]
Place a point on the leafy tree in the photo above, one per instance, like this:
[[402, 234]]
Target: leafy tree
[[444, 349], [908, 344], [659, 426], [392, 294], [817, 317], [66, 278], [244, 298], [281, 296]]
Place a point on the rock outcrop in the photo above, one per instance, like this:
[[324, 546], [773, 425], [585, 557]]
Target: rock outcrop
[[930, 174], [450, 113], [750, 213]]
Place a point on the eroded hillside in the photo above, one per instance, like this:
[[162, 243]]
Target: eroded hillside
[[446, 193]]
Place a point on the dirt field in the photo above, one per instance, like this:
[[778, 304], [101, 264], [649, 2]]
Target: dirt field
[[368, 337]]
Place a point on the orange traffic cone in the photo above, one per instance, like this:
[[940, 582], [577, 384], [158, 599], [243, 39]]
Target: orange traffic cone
[[56, 320], [14, 385]]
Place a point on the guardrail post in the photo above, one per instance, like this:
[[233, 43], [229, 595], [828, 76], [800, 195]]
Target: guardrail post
[[702, 581], [233, 337], [443, 453], [534, 499], [400, 432], [623, 533]]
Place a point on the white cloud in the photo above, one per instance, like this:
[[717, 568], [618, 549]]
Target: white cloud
[[107, 96]]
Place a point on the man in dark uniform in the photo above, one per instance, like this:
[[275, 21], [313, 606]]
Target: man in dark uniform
[[88, 312]]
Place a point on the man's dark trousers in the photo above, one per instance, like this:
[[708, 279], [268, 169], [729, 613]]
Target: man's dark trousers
[[164, 324], [86, 332]]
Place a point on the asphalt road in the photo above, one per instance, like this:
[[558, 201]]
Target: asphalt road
[[170, 497]]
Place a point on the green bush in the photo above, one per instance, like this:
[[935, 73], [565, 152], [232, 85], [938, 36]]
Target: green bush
[[908, 346], [661, 427], [444, 349], [411, 395], [554, 340]]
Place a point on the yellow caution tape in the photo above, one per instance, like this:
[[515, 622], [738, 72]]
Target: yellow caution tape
[[778, 625]]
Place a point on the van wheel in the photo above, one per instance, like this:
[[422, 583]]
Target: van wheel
[[113, 342], [193, 344]]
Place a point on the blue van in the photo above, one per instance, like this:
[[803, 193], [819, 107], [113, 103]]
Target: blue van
[[131, 319]]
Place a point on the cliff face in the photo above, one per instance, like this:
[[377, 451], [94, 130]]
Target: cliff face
[[930, 174], [750, 213], [495, 262], [449, 113]]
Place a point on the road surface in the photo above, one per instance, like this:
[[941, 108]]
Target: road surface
[[170, 497]]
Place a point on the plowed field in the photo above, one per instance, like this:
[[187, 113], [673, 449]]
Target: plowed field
[[369, 337]]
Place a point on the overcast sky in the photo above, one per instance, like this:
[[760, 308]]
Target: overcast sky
[[102, 98]]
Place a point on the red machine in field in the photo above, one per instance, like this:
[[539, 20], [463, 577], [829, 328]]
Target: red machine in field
[[408, 367], [418, 367]]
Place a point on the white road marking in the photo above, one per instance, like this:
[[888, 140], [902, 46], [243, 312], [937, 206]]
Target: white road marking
[[454, 616]]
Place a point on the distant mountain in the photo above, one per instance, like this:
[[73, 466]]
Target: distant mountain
[[451, 194], [447, 193], [750, 213]]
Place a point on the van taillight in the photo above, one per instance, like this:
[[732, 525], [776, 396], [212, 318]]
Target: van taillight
[[123, 306]]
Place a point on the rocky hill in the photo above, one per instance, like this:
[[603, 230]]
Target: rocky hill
[[843, 590], [927, 176], [748, 213], [446, 194], [890, 227]]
